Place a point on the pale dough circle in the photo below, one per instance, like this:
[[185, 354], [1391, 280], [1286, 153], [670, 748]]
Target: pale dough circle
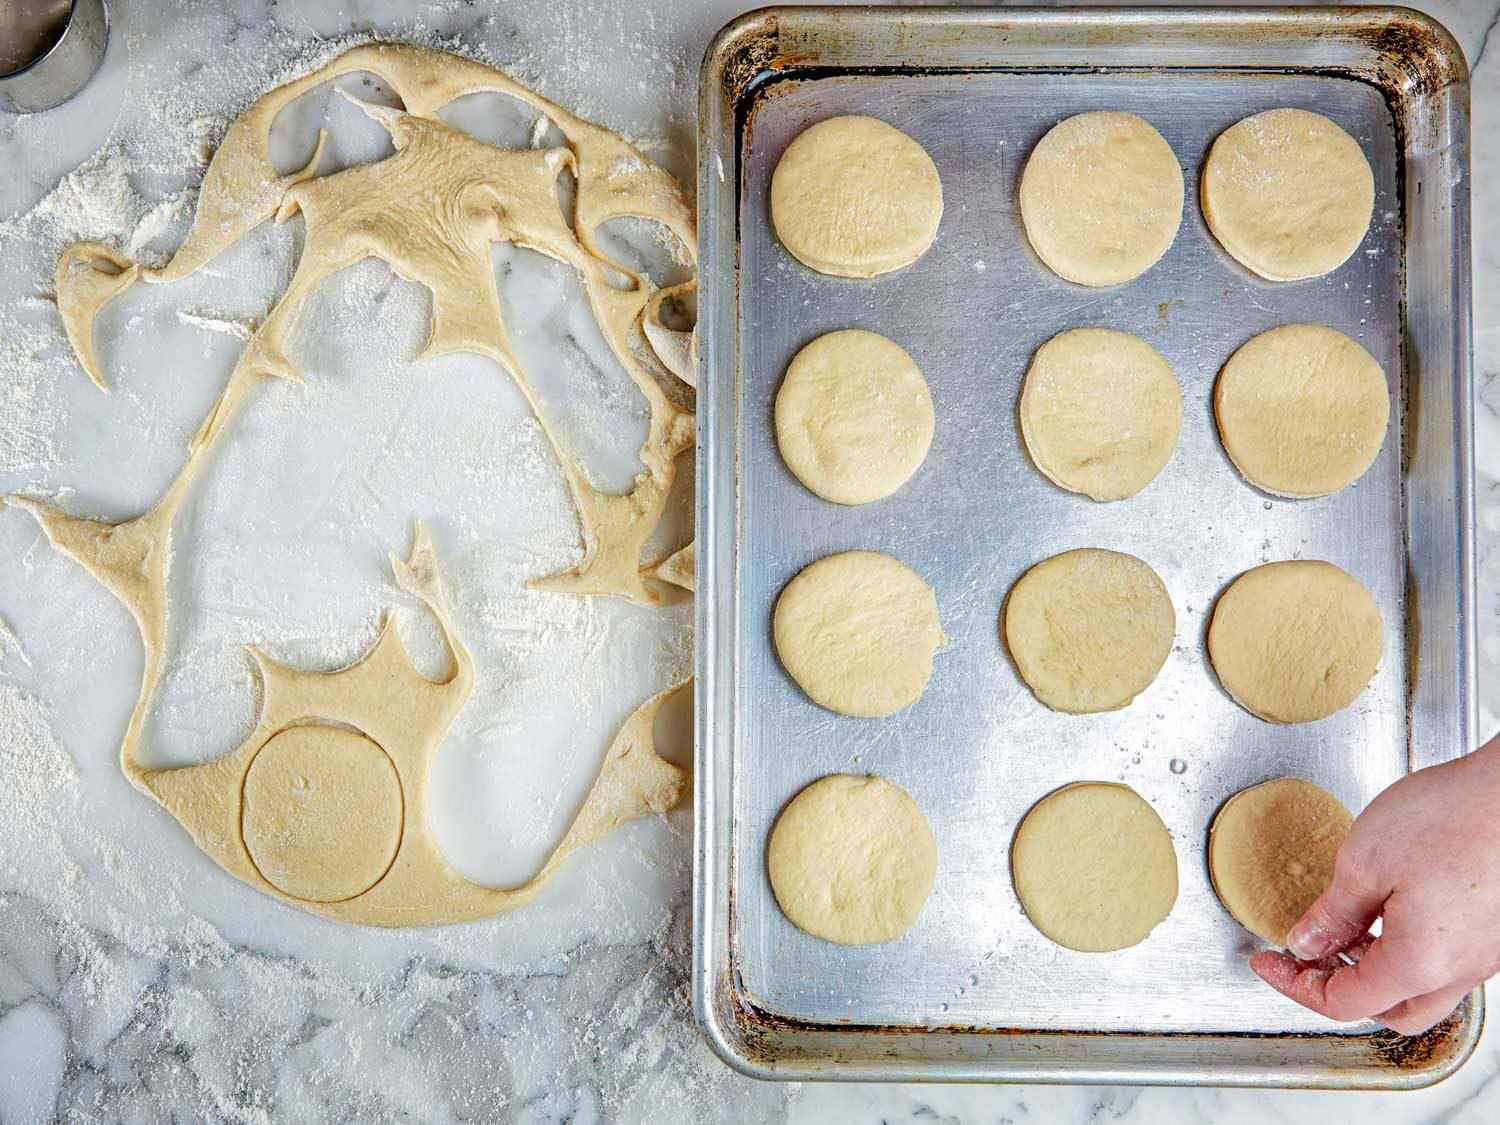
[[1094, 867], [852, 860], [1288, 194], [855, 197], [1089, 629], [1101, 197], [853, 416], [1271, 851], [857, 631], [1100, 412], [1295, 641], [322, 813], [1302, 410]]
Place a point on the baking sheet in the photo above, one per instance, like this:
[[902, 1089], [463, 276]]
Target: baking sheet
[[978, 750]]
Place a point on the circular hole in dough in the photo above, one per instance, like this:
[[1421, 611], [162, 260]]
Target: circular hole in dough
[[1295, 641], [1100, 412], [1101, 197], [855, 197], [1271, 851], [1302, 410], [857, 631], [1094, 867], [853, 417], [852, 860], [1288, 194], [322, 813], [1089, 629]]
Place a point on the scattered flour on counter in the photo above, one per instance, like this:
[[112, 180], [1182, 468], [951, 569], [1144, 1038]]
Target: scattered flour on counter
[[33, 764]]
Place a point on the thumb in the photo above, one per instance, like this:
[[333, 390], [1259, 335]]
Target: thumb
[[1340, 916]]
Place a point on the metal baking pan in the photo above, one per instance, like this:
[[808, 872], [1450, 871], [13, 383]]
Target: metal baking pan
[[974, 992]]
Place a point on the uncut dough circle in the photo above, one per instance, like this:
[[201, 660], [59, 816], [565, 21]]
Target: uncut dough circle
[[1089, 629], [1271, 851], [1101, 197], [322, 813], [857, 631], [1302, 410], [1094, 867], [1288, 194], [853, 417], [1100, 412], [852, 860], [855, 197], [1295, 641]]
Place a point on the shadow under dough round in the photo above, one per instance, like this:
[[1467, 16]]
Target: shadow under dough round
[[1094, 868], [855, 197], [1271, 851], [853, 417], [1101, 197], [852, 860], [1288, 194], [1100, 412], [1295, 641], [857, 632], [1302, 410], [1089, 629]]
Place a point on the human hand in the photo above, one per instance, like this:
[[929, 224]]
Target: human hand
[[1425, 859]]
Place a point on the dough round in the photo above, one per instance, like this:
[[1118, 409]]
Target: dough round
[[1288, 193], [854, 197], [1101, 197], [1302, 410], [1295, 641], [857, 631], [852, 860], [1271, 852], [322, 813], [1100, 411], [1089, 629], [853, 417], [1094, 867]]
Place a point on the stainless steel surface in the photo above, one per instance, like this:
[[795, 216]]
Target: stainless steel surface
[[49, 49], [974, 991]]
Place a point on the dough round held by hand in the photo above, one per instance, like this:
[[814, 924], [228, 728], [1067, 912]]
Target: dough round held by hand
[[1288, 194], [322, 813], [1089, 629], [852, 859], [1302, 410], [855, 197], [1271, 852], [1100, 412], [858, 631], [1101, 197], [853, 417], [1094, 867], [1295, 641]]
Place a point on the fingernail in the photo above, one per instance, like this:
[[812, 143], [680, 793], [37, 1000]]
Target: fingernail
[[1309, 942]]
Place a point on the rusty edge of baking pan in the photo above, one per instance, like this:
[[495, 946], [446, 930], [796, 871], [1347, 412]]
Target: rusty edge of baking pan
[[1420, 70]]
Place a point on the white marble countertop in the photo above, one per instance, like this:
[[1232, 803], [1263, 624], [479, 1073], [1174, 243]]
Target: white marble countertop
[[138, 982]]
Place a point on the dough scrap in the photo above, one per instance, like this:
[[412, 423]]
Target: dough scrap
[[852, 860], [1100, 412], [679, 568], [1302, 410], [853, 416], [858, 631], [431, 212], [1295, 641], [1094, 867], [1089, 629], [1271, 852], [855, 197], [1288, 194], [1101, 197]]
